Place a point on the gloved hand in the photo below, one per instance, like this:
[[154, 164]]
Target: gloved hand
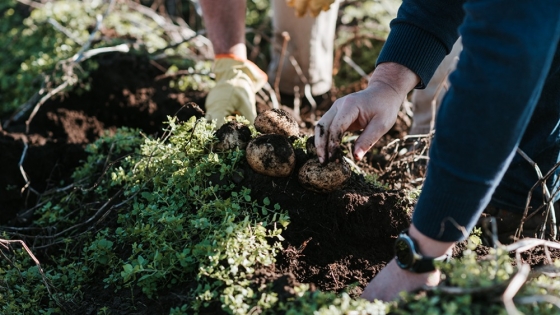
[[314, 6], [237, 81]]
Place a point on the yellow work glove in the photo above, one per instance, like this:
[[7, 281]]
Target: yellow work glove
[[237, 81], [313, 6]]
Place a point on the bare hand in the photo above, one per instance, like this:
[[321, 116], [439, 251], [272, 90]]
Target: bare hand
[[373, 109], [392, 280]]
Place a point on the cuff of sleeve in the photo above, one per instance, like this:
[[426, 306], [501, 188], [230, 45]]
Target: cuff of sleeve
[[415, 49], [449, 207]]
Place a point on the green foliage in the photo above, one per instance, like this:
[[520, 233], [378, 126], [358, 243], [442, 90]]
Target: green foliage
[[474, 286], [33, 47], [363, 27], [257, 12], [197, 79], [36, 49], [182, 223]]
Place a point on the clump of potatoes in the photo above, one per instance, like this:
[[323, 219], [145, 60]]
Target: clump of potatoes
[[272, 154]]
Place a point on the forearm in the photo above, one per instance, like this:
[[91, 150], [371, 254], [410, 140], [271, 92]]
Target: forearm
[[493, 95], [225, 23]]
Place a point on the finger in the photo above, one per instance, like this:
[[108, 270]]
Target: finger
[[341, 122], [322, 133], [371, 134]]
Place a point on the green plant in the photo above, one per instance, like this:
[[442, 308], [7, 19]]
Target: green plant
[[471, 285]]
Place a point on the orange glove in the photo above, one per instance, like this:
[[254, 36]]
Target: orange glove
[[237, 81], [314, 6]]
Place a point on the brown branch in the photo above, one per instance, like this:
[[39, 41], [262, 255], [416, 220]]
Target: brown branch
[[514, 286], [37, 263]]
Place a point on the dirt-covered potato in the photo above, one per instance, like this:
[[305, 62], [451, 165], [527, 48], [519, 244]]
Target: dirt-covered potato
[[310, 146], [271, 155], [277, 121], [323, 178], [231, 135]]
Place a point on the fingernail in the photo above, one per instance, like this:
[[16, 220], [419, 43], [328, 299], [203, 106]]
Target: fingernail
[[358, 154]]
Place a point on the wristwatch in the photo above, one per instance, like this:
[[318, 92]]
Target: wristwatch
[[408, 257]]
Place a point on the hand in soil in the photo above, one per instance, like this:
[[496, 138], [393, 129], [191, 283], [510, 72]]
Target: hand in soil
[[392, 280], [373, 109]]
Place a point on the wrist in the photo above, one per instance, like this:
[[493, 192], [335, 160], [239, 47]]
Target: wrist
[[401, 79], [427, 246]]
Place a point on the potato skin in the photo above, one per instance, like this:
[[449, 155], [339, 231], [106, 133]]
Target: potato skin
[[323, 178], [271, 155], [277, 121], [231, 135], [310, 147]]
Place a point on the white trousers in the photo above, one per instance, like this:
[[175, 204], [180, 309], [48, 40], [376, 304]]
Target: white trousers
[[311, 43], [426, 102]]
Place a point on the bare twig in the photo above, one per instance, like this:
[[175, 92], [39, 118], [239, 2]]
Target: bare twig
[[356, 68], [285, 40], [297, 103], [528, 243], [124, 48], [550, 209], [175, 32], [181, 73], [78, 56], [307, 87], [514, 286], [272, 95], [75, 59], [45, 98], [499, 287], [22, 171], [65, 31], [554, 300], [37, 263], [33, 4]]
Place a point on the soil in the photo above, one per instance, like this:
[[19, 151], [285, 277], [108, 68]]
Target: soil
[[334, 240]]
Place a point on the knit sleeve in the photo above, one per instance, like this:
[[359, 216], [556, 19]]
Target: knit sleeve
[[422, 34]]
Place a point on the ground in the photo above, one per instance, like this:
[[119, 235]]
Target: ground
[[334, 240]]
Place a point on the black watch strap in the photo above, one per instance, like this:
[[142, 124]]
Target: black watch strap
[[410, 258]]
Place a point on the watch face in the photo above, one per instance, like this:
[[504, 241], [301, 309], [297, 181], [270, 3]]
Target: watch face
[[404, 252]]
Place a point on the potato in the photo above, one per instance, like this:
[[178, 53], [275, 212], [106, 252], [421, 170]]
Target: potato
[[277, 121], [310, 146], [324, 178], [271, 155], [231, 135]]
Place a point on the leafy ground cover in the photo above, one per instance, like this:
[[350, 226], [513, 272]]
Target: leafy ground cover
[[125, 206]]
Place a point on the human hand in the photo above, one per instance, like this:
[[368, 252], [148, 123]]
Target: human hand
[[392, 280], [314, 6], [373, 109], [237, 81]]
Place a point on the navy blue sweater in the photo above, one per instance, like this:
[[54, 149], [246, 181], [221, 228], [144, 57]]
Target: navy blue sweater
[[504, 94]]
